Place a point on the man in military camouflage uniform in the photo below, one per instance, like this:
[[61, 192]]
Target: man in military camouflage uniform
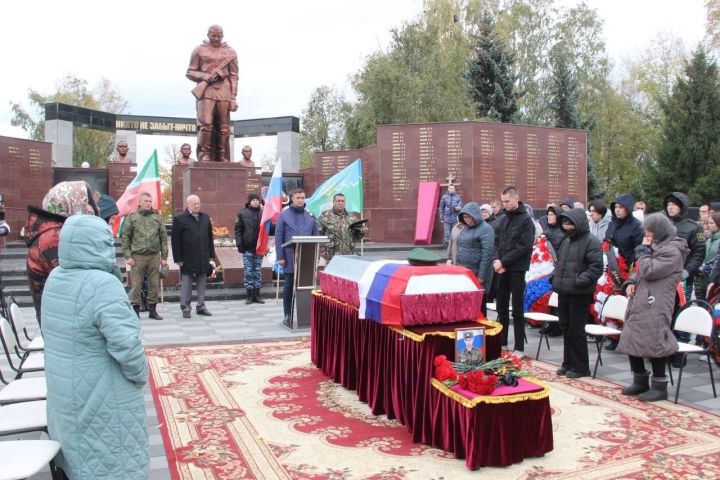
[[469, 356], [335, 223], [144, 244]]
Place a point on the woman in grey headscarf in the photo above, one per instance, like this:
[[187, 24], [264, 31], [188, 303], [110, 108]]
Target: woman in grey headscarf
[[651, 290]]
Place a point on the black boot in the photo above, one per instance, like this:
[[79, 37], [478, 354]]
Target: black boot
[[657, 392], [143, 302], [612, 345], [250, 295], [137, 310], [256, 296], [287, 322], [153, 312], [640, 384], [678, 360]]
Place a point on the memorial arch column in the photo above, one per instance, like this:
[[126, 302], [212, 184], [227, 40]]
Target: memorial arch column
[[288, 151], [60, 134]]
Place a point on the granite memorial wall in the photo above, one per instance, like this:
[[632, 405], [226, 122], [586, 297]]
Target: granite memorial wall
[[479, 158], [25, 178]]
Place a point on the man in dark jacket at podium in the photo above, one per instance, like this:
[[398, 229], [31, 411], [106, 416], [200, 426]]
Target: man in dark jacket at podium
[[294, 221]]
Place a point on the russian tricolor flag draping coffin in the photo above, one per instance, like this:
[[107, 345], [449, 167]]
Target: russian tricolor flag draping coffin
[[412, 295], [395, 293], [341, 278]]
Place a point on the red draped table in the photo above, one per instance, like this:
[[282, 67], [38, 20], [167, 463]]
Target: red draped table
[[392, 367]]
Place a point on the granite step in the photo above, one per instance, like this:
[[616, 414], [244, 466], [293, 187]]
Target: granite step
[[215, 292]]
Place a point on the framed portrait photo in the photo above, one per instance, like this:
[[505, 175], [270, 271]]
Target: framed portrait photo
[[470, 346]]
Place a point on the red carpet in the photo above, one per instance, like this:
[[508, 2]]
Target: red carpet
[[263, 411]]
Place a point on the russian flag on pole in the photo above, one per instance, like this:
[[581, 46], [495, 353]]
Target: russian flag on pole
[[273, 206], [147, 180]]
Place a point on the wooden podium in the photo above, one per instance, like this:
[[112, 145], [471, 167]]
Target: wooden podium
[[307, 253]]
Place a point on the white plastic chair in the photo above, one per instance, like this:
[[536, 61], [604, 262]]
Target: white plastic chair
[[23, 390], [614, 307], [492, 306], [23, 417], [28, 361], [24, 458], [37, 344], [544, 318], [697, 320]]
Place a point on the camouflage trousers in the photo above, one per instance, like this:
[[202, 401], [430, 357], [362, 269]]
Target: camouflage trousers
[[145, 266], [251, 266]]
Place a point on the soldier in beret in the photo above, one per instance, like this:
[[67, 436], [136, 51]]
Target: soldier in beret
[[336, 224]]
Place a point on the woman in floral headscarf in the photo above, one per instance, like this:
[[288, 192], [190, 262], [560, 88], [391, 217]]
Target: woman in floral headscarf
[[42, 231]]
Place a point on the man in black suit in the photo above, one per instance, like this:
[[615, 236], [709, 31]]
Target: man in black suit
[[192, 247]]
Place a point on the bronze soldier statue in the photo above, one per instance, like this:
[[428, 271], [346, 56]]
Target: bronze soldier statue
[[214, 66]]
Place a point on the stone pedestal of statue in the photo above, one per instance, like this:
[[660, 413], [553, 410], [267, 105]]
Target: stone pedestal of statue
[[119, 177], [223, 189], [178, 200]]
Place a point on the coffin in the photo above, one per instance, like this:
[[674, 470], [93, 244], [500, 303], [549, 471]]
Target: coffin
[[395, 293]]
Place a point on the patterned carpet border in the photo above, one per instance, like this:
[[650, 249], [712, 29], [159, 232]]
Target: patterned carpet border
[[262, 410]]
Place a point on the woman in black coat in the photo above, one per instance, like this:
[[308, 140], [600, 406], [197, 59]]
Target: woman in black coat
[[554, 232], [577, 270]]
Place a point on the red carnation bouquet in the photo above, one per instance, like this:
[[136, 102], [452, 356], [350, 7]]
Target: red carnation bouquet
[[444, 370], [481, 379], [479, 382]]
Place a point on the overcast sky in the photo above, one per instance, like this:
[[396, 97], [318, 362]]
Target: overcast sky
[[285, 48]]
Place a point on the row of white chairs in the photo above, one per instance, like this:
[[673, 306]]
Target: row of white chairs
[[695, 318], [22, 401]]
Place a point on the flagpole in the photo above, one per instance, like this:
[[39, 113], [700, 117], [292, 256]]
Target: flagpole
[[277, 288], [362, 240]]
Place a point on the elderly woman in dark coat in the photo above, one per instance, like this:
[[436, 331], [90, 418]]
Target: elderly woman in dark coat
[[651, 290]]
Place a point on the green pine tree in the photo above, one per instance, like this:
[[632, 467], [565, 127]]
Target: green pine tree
[[689, 153], [563, 104], [490, 75], [563, 91]]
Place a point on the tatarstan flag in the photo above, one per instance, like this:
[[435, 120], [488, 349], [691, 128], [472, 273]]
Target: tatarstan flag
[[147, 180]]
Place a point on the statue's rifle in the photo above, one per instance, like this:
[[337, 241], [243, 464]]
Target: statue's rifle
[[202, 85]]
